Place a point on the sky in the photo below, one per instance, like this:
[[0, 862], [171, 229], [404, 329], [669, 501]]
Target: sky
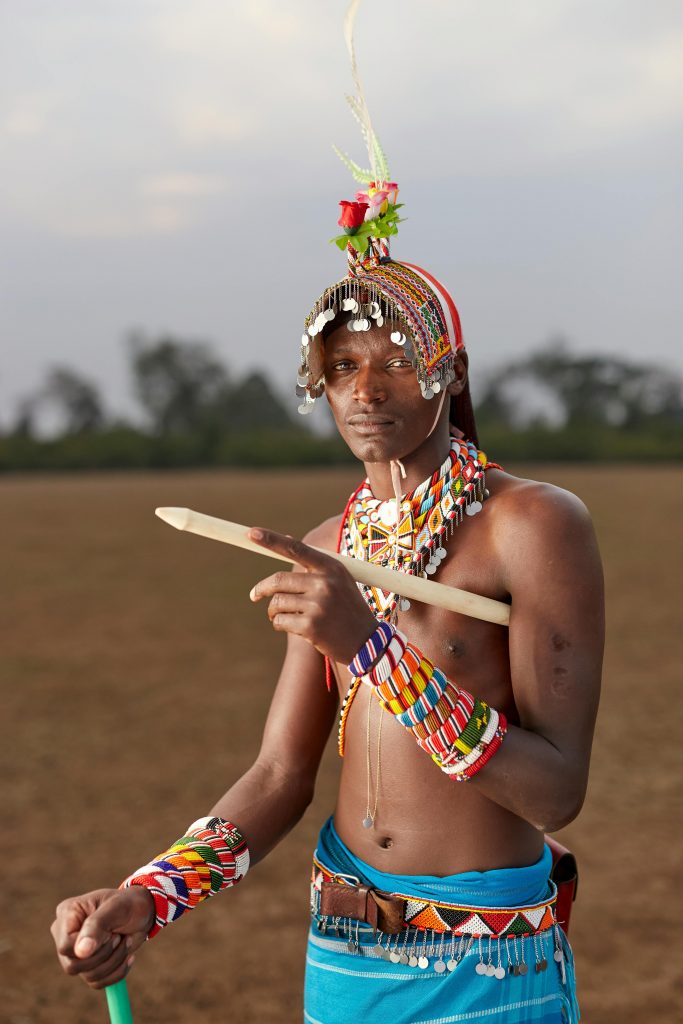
[[167, 167]]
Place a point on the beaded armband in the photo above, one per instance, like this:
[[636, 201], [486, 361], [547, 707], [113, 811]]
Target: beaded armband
[[371, 649], [211, 856], [459, 731]]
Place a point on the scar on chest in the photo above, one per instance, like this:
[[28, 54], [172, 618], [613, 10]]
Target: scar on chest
[[455, 646]]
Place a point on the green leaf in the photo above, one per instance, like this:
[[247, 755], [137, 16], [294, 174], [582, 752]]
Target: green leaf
[[361, 174], [372, 143], [380, 159]]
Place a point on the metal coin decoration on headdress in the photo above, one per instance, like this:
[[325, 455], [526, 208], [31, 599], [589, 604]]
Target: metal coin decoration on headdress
[[377, 289]]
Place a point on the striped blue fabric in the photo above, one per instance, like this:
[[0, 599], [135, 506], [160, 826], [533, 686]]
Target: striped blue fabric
[[344, 987]]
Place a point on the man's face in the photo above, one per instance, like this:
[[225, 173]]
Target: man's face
[[374, 395]]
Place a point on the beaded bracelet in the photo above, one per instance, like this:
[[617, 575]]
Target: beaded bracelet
[[459, 731], [455, 762], [371, 649], [211, 856], [389, 660], [418, 690], [479, 757]]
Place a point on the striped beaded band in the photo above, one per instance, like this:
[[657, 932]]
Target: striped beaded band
[[211, 856], [463, 768], [414, 689], [460, 731], [371, 649], [389, 660]]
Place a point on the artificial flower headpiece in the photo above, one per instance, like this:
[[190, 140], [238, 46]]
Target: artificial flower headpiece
[[376, 288]]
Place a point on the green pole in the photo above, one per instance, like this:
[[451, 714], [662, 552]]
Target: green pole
[[119, 1003]]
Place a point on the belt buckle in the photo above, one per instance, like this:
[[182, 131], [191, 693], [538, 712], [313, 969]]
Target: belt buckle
[[362, 903]]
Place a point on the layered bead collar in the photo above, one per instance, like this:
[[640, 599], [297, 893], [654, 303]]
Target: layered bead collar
[[410, 536]]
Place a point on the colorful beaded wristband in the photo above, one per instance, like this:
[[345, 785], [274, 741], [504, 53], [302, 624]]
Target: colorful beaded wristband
[[211, 856], [389, 660], [371, 649], [419, 687], [479, 757], [456, 762], [458, 730], [456, 747]]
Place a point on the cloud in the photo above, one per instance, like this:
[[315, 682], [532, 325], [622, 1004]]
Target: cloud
[[28, 113], [201, 121], [207, 29], [184, 185], [537, 145], [127, 220]]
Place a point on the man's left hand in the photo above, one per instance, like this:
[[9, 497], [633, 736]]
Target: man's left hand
[[321, 604]]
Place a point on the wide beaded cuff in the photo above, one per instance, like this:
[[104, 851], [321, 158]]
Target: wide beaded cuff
[[459, 731], [371, 649], [211, 856]]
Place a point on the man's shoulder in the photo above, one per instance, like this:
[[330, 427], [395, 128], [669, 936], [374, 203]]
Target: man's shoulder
[[535, 504], [325, 535], [544, 543]]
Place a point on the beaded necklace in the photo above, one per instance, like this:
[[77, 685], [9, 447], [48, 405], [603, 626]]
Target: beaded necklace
[[428, 516]]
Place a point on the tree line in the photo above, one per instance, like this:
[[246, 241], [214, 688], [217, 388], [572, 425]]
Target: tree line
[[553, 404]]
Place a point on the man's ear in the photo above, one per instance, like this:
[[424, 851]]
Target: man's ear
[[460, 370]]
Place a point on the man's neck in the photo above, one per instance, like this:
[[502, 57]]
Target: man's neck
[[418, 465]]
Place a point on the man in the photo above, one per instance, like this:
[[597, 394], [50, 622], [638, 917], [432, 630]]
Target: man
[[401, 824]]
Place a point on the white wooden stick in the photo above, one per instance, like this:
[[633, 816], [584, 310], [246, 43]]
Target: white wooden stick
[[413, 587]]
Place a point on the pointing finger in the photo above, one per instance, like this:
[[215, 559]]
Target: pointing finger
[[299, 552]]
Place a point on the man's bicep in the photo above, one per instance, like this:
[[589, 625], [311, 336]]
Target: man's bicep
[[302, 711], [557, 623]]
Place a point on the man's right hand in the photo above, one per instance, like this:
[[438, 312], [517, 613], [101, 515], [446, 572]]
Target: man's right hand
[[97, 934]]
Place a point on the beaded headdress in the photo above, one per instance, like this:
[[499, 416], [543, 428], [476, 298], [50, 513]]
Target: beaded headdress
[[377, 289]]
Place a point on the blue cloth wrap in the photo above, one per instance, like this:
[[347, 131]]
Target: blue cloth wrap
[[342, 987]]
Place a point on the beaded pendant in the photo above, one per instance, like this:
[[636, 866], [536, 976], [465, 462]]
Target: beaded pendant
[[415, 544]]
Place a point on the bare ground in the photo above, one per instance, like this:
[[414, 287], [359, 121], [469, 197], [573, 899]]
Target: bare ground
[[135, 679]]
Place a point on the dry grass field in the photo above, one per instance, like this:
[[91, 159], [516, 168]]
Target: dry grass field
[[135, 678]]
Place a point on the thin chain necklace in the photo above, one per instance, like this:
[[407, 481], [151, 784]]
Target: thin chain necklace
[[370, 815], [428, 515]]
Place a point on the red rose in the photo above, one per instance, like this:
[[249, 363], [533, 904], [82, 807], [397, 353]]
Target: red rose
[[352, 216]]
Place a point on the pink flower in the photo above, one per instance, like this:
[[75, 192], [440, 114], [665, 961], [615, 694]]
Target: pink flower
[[352, 215], [378, 196], [391, 188], [376, 201]]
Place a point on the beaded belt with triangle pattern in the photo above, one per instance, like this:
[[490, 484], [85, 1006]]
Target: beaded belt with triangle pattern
[[440, 916], [436, 934]]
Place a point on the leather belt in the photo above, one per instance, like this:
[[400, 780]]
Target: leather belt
[[384, 912], [335, 896]]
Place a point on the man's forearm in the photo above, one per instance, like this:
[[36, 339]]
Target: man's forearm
[[532, 778], [266, 803], [215, 852], [527, 774]]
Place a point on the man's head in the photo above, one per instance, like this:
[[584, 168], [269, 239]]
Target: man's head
[[406, 317], [375, 396]]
